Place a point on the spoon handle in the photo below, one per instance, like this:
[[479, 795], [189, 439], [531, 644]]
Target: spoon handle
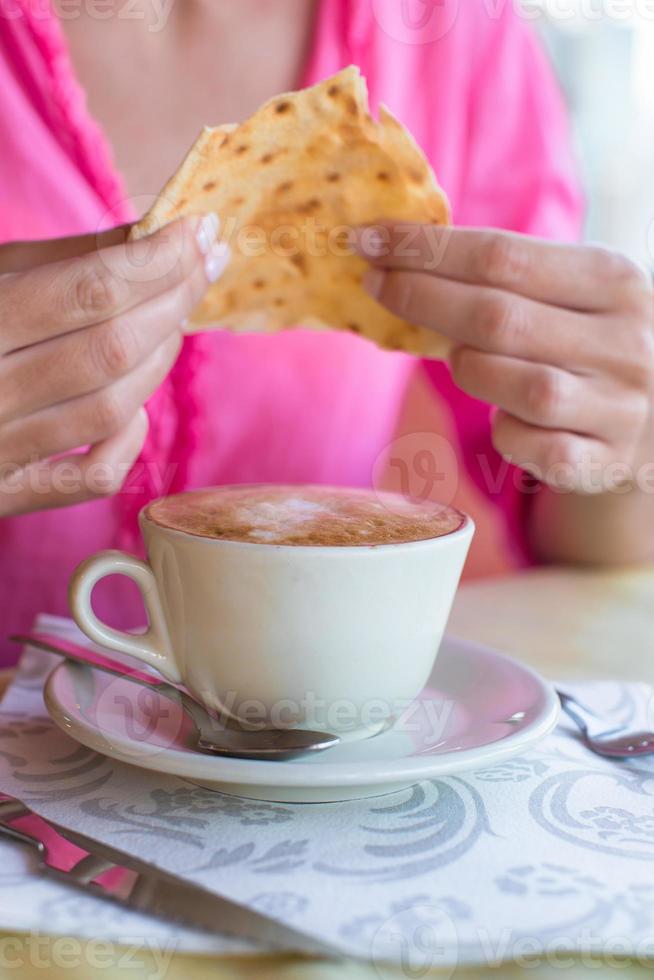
[[83, 655], [92, 658]]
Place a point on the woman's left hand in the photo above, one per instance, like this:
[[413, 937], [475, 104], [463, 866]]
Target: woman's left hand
[[559, 337]]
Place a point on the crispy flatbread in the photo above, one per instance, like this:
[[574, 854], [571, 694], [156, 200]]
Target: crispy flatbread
[[287, 184]]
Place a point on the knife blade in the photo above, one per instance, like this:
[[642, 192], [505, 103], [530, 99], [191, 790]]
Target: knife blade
[[115, 876]]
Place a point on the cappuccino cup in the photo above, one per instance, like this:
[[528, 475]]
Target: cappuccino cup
[[280, 606]]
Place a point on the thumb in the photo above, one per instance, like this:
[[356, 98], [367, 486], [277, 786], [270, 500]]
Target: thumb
[[21, 256]]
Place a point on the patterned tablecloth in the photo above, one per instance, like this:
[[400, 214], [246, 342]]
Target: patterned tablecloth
[[567, 624]]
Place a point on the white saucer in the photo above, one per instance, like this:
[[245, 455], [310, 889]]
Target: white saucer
[[479, 707]]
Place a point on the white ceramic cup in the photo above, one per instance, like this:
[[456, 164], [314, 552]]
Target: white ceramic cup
[[331, 638]]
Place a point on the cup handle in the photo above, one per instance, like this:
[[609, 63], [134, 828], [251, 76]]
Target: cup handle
[[151, 647]]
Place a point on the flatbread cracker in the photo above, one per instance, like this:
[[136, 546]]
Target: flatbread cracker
[[287, 184]]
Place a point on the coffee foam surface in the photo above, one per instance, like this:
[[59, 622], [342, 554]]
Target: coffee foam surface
[[304, 515]]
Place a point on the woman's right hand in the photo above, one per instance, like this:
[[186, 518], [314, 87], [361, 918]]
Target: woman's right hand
[[84, 342]]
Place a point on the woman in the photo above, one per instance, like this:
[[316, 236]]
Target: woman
[[99, 106]]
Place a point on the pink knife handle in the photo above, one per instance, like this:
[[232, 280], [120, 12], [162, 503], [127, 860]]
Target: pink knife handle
[[60, 854]]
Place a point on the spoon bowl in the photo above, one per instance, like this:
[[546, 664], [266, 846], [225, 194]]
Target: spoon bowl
[[605, 738]]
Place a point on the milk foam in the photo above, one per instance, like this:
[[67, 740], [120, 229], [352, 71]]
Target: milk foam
[[318, 516], [271, 520]]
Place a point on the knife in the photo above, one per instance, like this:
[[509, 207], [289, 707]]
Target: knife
[[111, 874]]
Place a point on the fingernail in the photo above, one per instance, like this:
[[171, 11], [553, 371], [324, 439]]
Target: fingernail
[[184, 324], [217, 261], [207, 232], [373, 282]]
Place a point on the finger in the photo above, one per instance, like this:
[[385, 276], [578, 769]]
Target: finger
[[90, 418], [571, 276], [494, 321], [550, 397], [565, 461], [21, 256], [66, 296], [75, 479], [86, 360]]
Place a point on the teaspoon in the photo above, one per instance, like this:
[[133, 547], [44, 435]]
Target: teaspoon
[[610, 740], [215, 736]]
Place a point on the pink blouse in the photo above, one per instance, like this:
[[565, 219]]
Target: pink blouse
[[477, 92]]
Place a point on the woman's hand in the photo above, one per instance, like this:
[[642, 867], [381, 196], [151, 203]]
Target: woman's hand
[[559, 337], [84, 341]]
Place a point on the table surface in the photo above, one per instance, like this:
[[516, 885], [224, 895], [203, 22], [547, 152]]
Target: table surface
[[565, 623]]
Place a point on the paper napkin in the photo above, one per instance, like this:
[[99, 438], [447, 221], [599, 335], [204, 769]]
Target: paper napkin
[[548, 852]]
